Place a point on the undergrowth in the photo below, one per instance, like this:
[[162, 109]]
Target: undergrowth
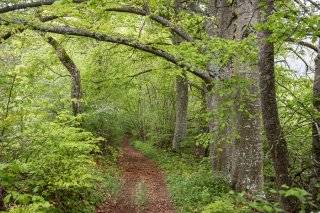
[[56, 167], [191, 183], [193, 188]]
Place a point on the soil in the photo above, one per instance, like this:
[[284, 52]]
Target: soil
[[136, 168]]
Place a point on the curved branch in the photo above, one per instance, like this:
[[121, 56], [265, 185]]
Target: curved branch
[[30, 5], [161, 20], [66, 30], [303, 43], [20, 30]]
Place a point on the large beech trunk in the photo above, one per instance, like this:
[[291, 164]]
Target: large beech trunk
[[76, 87], [210, 105], [275, 137], [316, 128], [180, 132], [220, 148], [202, 149], [248, 154], [181, 122]]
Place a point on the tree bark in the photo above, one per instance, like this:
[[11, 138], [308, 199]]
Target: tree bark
[[202, 149], [220, 146], [248, 154], [76, 87], [274, 134], [180, 133], [226, 30], [181, 122]]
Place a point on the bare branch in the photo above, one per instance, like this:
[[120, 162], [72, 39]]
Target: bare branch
[[302, 59]]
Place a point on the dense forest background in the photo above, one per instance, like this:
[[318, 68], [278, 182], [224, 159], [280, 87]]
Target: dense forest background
[[223, 95]]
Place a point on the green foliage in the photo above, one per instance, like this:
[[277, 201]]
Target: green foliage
[[243, 203], [305, 198], [191, 183], [59, 166], [220, 206], [28, 203]]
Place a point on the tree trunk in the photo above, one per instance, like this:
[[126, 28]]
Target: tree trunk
[[274, 134], [181, 122], [316, 128], [76, 87], [202, 149], [224, 151], [180, 132], [210, 105], [220, 148], [248, 154]]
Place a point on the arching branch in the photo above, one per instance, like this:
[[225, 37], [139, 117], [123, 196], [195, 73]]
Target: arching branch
[[161, 20], [66, 30], [20, 30]]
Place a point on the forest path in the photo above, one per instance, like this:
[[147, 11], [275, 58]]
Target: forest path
[[137, 169]]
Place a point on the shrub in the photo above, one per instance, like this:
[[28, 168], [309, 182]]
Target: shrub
[[55, 163]]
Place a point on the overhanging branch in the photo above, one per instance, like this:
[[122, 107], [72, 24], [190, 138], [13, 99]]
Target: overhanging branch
[[161, 20], [128, 42], [66, 30], [20, 30]]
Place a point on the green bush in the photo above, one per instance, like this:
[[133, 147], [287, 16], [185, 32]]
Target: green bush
[[55, 163]]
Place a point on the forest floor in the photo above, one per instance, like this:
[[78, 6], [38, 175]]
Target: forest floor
[[152, 196]]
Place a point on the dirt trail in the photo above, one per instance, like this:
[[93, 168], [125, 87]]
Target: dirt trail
[[137, 168]]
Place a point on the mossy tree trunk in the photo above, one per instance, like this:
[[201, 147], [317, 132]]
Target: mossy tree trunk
[[76, 87]]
